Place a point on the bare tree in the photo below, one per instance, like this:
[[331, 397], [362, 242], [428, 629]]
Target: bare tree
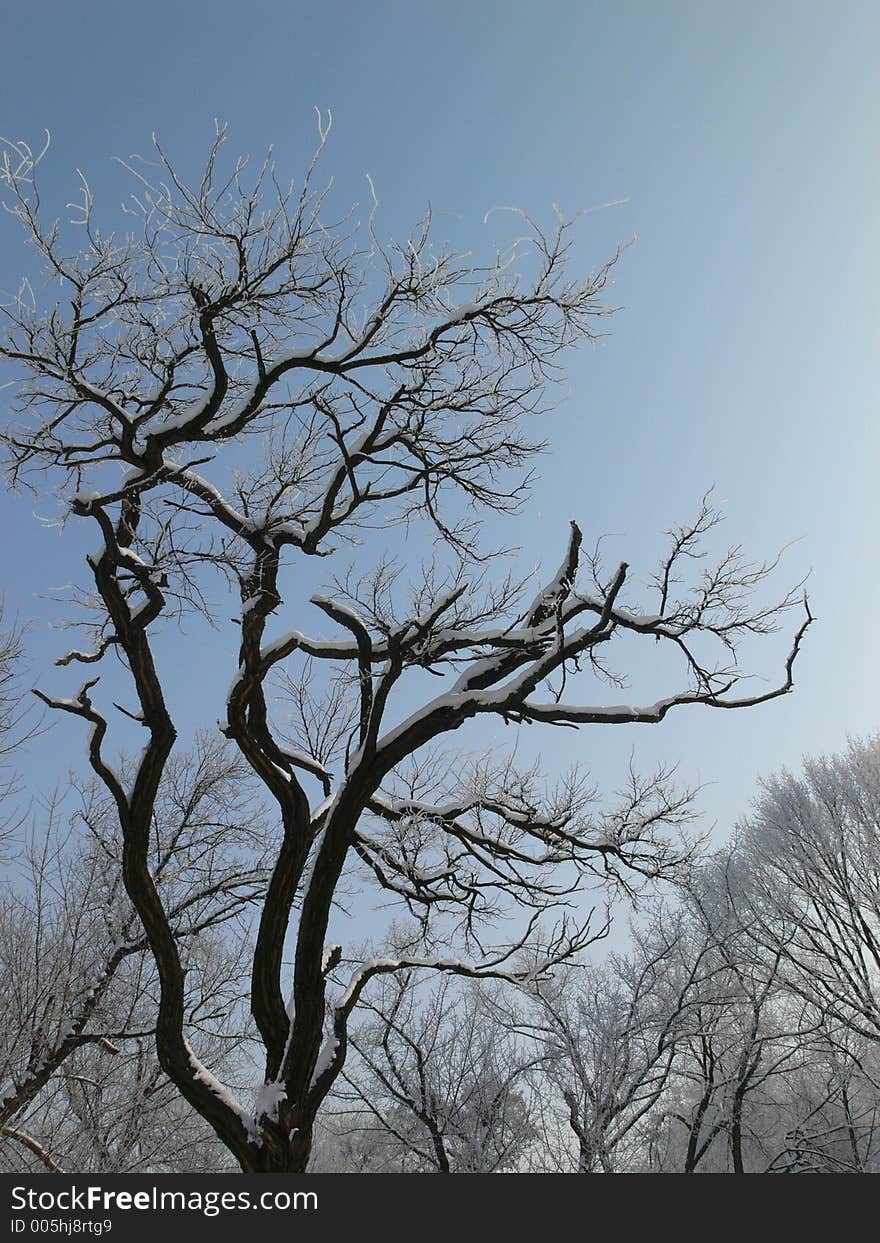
[[812, 852], [738, 1035], [109, 1107], [15, 726], [79, 987], [436, 1086], [826, 1115], [802, 886], [608, 1037], [329, 383]]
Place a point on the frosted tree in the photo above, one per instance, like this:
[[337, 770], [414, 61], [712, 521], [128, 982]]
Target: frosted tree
[[78, 1082], [16, 725], [744, 1034], [825, 1120], [436, 1086], [811, 853], [606, 1040], [778, 1068], [243, 382]]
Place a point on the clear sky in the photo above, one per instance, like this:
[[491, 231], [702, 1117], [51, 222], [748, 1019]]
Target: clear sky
[[742, 137]]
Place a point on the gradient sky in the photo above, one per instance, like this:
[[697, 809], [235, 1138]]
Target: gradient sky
[[743, 139]]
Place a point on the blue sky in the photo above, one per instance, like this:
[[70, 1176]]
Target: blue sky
[[743, 139]]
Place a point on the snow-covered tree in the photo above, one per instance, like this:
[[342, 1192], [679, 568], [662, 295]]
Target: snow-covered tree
[[825, 1115], [243, 382], [606, 1037], [812, 848], [743, 1034]]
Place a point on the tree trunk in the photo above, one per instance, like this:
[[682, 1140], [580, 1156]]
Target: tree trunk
[[736, 1136], [279, 1153]]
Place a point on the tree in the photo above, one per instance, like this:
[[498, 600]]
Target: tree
[[330, 383], [807, 901], [15, 727], [812, 853], [437, 1085], [77, 1078], [109, 1107], [607, 1038], [744, 1032], [827, 1114]]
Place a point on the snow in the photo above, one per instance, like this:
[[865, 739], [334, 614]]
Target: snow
[[68, 1029], [613, 713], [645, 621], [343, 610], [304, 354], [203, 1075], [239, 677], [451, 700], [268, 1099], [212, 492], [329, 951], [513, 692], [325, 1058], [424, 621], [401, 806], [549, 593], [458, 313], [292, 529], [322, 808], [292, 639], [126, 554], [77, 654], [174, 422], [221, 421], [377, 965], [301, 759]]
